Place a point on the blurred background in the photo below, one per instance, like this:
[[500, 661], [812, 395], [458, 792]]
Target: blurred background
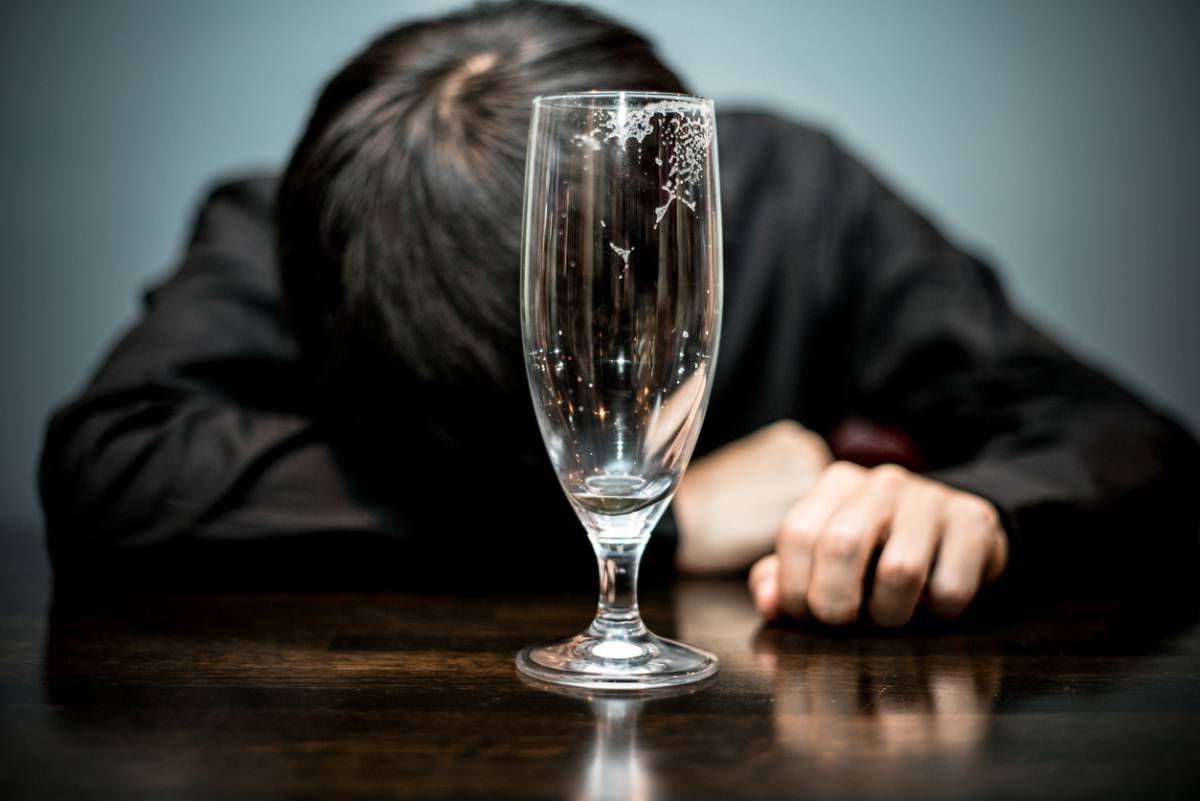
[[1058, 140]]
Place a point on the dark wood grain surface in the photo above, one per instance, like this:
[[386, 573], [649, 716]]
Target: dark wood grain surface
[[321, 695]]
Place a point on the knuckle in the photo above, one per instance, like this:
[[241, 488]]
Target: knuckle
[[841, 541], [782, 441], [842, 470], [786, 429], [798, 535], [794, 449], [890, 474], [976, 511], [900, 574]]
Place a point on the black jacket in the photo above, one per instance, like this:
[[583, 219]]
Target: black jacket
[[193, 446]]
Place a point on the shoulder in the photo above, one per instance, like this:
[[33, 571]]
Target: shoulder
[[236, 217], [253, 192], [231, 248], [771, 162], [774, 149], [246, 195], [759, 130]]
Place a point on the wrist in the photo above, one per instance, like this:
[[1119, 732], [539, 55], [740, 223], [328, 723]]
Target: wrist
[[689, 549], [712, 535]]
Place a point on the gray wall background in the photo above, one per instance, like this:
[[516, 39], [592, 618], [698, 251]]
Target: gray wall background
[[1060, 140]]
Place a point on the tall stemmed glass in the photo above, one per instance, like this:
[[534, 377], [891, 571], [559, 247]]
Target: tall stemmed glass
[[620, 317]]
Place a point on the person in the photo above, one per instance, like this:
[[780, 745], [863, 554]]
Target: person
[[332, 381]]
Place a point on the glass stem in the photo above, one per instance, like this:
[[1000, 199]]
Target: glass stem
[[617, 614]]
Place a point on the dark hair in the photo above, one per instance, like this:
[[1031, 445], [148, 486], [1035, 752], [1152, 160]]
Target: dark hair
[[399, 215]]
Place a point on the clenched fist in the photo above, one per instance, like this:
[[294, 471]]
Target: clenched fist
[[937, 543]]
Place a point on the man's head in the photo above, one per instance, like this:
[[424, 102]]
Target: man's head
[[400, 212]]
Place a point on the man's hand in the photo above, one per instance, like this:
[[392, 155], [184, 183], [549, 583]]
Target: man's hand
[[731, 504], [936, 541]]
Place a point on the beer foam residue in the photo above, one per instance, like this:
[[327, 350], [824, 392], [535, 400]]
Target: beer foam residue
[[589, 139], [685, 137], [622, 252]]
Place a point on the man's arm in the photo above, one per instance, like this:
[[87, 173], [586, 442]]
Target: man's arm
[[996, 408], [1028, 450], [195, 428]]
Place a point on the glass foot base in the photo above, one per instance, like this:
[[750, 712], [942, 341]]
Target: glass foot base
[[630, 663]]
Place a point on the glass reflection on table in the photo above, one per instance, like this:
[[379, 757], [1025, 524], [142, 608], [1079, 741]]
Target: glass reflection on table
[[837, 699], [845, 696], [615, 769]]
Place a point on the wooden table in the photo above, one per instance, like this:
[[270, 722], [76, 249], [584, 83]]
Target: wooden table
[[389, 695]]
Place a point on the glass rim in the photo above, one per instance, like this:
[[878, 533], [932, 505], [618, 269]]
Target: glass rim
[[579, 99]]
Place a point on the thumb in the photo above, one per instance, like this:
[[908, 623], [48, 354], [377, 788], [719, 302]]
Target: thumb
[[764, 586]]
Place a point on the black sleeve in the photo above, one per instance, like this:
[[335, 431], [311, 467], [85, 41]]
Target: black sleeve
[[194, 428], [1074, 462]]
